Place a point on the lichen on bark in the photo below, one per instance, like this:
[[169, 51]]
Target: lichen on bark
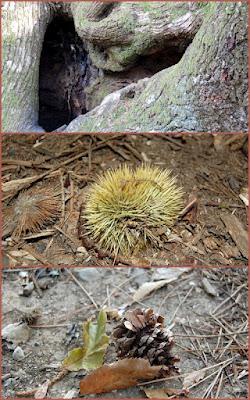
[[205, 91], [23, 27]]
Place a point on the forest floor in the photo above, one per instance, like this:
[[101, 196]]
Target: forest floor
[[212, 169], [206, 309]]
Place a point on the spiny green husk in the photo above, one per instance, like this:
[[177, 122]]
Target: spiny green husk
[[125, 206]]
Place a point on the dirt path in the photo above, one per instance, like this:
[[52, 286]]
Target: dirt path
[[205, 326]]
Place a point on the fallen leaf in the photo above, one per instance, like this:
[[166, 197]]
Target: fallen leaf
[[169, 273], [172, 274], [192, 378], [119, 375], [164, 393], [91, 355]]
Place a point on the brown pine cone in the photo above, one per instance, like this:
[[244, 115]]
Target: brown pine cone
[[142, 334]]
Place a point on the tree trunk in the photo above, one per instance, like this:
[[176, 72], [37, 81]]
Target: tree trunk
[[202, 48], [24, 25]]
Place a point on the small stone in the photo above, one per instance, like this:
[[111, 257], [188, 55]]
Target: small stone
[[28, 289], [45, 283], [23, 274], [18, 354], [16, 333], [88, 274], [208, 287]]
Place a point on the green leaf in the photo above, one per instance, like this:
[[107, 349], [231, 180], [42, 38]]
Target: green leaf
[[91, 355]]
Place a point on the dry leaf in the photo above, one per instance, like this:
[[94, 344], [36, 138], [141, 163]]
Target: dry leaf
[[169, 273], [164, 393], [172, 274], [147, 288], [91, 355], [192, 378], [119, 375]]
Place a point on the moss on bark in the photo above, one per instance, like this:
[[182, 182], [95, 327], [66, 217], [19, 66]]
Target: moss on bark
[[205, 91]]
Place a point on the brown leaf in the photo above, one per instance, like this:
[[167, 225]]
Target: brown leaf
[[164, 393], [171, 275], [119, 375]]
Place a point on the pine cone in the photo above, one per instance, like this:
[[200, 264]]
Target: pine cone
[[142, 334]]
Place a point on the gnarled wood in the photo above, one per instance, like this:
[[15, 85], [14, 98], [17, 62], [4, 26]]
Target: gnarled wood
[[205, 91], [133, 29]]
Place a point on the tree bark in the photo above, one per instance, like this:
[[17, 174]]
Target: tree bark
[[24, 25], [205, 91], [118, 33]]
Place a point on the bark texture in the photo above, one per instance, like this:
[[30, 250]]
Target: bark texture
[[205, 91], [23, 26], [118, 33]]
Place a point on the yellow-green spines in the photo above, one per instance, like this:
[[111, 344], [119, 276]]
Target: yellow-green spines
[[125, 206]]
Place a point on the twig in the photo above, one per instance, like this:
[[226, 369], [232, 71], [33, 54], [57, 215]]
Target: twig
[[82, 287], [186, 374], [182, 301], [219, 385], [133, 151], [58, 166], [35, 254], [211, 386], [210, 336], [90, 155], [71, 203], [62, 195], [229, 298], [71, 238], [49, 326], [188, 207]]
